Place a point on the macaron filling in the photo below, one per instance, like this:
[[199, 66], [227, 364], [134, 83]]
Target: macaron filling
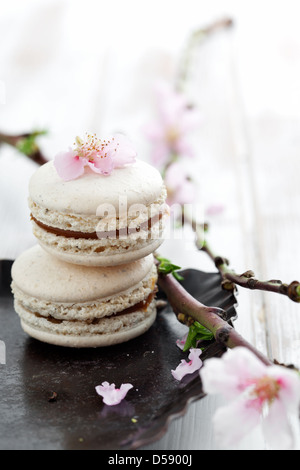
[[105, 332], [118, 233], [142, 306]]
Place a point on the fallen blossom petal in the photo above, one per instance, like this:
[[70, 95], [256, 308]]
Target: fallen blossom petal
[[185, 368], [181, 342], [112, 395], [68, 165]]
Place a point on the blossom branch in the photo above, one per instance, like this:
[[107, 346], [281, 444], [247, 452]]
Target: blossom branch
[[247, 279], [188, 309], [196, 38], [26, 144]]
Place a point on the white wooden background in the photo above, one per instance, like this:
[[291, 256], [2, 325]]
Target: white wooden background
[[76, 66]]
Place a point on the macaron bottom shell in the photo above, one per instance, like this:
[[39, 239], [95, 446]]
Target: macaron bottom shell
[[83, 335], [102, 259]]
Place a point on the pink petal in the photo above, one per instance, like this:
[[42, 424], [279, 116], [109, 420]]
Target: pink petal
[[277, 428], [289, 381], [154, 132], [103, 166], [175, 175], [214, 209], [190, 120], [112, 395], [186, 194], [185, 368], [180, 189], [232, 373], [122, 151], [181, 342], [215, 379], [68, 165], [183, 148], [160, 154], [233, 421], [171, 104]]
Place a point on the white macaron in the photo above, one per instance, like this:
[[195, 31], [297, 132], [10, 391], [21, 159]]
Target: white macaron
[[78, 306], [98, 220]]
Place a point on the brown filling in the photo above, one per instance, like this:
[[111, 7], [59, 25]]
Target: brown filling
[[143, 305], [98, 235]]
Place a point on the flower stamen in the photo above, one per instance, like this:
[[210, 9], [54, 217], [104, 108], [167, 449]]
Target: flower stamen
[[266, 389]]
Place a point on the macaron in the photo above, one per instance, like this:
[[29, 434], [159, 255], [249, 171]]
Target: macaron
[[99, 220], [80, 307]]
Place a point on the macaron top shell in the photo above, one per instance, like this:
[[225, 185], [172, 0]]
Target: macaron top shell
[[42, 276], [140, 183]]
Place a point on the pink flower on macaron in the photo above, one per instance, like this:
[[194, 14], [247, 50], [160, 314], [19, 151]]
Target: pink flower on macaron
[[101, 156], [185, 367], [255, 394], [112, 395]]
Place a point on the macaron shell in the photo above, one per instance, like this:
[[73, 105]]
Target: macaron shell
[[40, 275], [92, 341], [109, 260], [139, 183]]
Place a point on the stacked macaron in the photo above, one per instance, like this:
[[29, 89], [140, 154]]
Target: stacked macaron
[[98, 214]]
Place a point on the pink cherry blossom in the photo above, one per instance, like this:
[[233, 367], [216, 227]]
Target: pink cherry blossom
[[101, 156], [180, 188], [112, 395], [185, 367], [169, 133], [255, 394]]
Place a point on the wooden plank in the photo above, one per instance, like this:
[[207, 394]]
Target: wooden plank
[[276, 150]]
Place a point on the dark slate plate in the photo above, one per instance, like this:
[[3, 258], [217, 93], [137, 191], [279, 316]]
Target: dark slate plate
[[74, 417]]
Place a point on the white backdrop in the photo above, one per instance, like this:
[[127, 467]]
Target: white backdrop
[[75, 66]]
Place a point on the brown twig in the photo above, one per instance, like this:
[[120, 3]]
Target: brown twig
[[196, 38], [247, 279], [26, 144], [212, 318]]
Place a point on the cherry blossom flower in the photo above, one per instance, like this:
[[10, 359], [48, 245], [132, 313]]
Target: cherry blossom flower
[[180, 187], [101, 156], [169, 133], [112, 395], [255, 394], [185, 368]]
